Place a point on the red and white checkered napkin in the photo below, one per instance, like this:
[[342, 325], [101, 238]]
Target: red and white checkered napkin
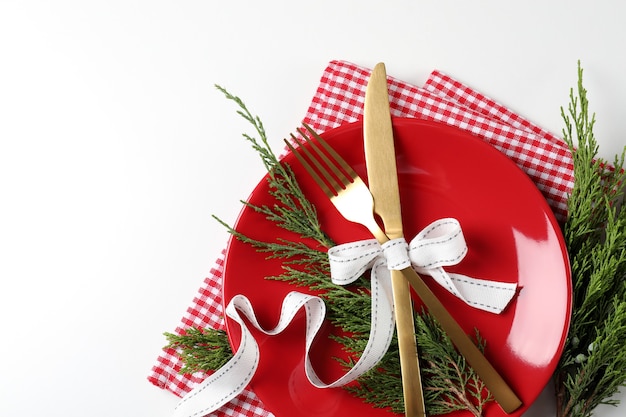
[[339, 99]]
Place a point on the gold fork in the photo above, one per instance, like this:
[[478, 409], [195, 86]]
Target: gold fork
[[349, 194], [359, 194]]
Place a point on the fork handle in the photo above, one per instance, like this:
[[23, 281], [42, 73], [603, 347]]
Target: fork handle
[[502, 393]]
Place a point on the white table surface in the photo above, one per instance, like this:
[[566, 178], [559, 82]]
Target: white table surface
[[115, 149]]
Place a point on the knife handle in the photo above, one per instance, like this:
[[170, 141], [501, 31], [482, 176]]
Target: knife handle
[[407, 347], [502, 393]]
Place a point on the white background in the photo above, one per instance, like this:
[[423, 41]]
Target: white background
[[115, 149]]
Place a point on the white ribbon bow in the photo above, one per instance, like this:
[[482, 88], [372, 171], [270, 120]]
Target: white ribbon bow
[[440, 244]]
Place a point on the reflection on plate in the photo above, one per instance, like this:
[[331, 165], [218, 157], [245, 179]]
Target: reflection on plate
[[511, 234]]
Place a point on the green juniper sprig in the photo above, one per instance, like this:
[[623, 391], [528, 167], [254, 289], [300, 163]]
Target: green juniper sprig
[[200, 349], [442, 391], [348, 308], [292, 210], [592, 367]]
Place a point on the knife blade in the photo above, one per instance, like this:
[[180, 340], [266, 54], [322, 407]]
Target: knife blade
[[384, 189], [380, 160]]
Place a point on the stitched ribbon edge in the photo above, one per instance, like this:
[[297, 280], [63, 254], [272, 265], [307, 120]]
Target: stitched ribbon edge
[[230, 380]]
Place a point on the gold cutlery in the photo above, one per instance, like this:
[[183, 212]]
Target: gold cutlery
[[353, 200]]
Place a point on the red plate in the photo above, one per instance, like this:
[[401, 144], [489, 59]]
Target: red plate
[[512, 236]]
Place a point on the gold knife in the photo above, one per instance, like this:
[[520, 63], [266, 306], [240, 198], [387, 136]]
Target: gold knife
[[380, 158], [381, 180]]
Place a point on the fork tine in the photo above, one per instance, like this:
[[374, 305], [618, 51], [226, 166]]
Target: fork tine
[[343, 179], [312, 172], [344, 165], [336, 186], [339, 181], [330, 164]]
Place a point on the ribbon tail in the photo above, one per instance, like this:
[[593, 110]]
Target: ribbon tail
[[230, 380], [491, 296], [382, 325]]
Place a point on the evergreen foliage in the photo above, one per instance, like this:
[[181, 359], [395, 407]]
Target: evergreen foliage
[[592, 367]]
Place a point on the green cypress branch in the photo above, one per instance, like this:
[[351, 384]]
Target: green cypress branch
[[292, 210], [201, 350], [592, 367]]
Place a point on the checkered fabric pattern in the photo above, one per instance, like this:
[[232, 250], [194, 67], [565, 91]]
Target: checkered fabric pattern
[[339, 99], [544, 157]]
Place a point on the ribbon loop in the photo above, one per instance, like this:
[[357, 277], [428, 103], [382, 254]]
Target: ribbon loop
[[349, 261], [439, 244]]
